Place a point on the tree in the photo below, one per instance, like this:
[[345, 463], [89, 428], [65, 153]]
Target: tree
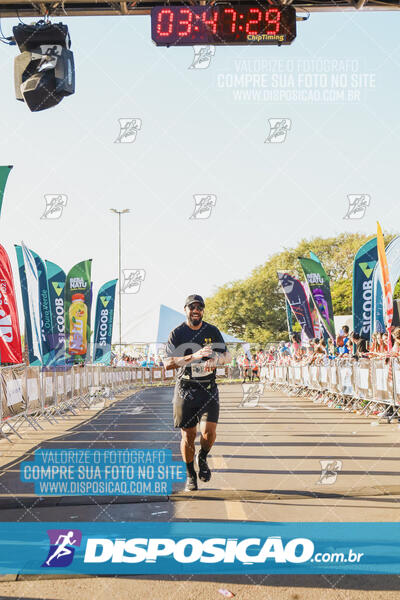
[[253, 309]]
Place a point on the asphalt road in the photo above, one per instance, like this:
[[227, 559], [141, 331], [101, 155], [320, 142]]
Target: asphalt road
[[266, 467]]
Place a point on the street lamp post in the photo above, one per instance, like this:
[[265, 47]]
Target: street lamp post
[[119, 213]]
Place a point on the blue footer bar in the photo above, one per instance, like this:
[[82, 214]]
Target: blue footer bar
[[199, 547]]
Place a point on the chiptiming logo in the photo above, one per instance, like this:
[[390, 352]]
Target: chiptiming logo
[[62, 550]]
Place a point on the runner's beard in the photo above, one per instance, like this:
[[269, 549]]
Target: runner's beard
[[195, 321]]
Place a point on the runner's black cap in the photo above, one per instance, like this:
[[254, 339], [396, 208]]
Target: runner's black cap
[[194, 298]]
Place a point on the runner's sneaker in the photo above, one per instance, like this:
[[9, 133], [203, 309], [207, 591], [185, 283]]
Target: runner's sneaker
[[191, 483], [204, 470]]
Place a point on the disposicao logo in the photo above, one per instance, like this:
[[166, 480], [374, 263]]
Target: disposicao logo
[[191, 550], [62, 542]]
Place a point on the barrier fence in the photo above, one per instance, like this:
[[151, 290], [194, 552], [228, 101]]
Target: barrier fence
[[368, 386], [31, 393]]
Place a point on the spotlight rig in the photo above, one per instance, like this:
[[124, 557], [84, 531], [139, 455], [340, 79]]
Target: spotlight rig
[[44, 71]]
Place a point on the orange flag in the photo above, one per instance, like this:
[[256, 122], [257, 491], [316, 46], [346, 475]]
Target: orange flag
[[387, 288]]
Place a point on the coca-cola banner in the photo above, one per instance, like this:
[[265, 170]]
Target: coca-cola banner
[[10, 336]]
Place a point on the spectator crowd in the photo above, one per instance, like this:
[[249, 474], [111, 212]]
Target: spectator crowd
[[347, 345], [140, 361]]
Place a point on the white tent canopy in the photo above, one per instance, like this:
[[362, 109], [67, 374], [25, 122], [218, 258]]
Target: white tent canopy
[[155, 326]]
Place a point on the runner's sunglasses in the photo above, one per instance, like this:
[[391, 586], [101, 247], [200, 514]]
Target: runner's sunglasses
[[196, 307]]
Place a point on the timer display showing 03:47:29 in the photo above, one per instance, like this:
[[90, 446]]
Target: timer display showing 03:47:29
[[220, 25]]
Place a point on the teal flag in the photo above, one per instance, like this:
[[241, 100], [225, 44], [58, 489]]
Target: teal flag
[[33, 352], [363, 270], [104, 323], [56, 283], [45, 312], [314, 257], [4, 173]]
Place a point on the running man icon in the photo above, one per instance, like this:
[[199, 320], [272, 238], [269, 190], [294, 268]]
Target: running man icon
[[61, 550]]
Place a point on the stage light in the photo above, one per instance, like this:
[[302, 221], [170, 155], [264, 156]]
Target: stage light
[[44, 71]]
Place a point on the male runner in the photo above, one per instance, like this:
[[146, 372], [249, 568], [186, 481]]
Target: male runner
[[196, 348]]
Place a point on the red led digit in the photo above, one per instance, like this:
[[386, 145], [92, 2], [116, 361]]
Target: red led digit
[[187, 22], [211, 23], [258, 14], [231, 11], [165, 26], [273, 19]]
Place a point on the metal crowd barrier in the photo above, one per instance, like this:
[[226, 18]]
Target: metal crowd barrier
[[29, 394], [366, 386]]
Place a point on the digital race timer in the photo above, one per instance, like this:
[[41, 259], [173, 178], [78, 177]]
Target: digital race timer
[[223, 24]]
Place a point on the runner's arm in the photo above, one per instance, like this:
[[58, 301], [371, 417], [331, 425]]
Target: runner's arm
[[173, 362], [219, 359]]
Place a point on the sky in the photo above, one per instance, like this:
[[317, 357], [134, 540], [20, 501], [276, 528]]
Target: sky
[[203, 132]]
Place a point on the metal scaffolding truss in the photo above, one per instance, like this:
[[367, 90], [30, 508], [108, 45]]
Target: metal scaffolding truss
[[59, 8]]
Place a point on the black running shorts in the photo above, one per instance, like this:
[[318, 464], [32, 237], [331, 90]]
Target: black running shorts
[[193, 401]]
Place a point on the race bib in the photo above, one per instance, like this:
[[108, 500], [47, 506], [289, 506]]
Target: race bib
[[199, 370]]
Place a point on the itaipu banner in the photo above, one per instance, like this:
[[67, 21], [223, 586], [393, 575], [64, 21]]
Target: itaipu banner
[[56, 283], [10, 336], [318, 282], [363, 270], [4, 173], [78, 298], [298, 301], [387, 287], [104, 323]]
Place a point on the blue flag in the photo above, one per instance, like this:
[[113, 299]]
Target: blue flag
[[56, 283], [363, 270], [45, 312], [104, 323], [33, 348]]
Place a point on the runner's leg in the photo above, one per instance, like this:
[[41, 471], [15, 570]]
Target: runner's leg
[[187, 445], [208, 433], [187, 450]]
